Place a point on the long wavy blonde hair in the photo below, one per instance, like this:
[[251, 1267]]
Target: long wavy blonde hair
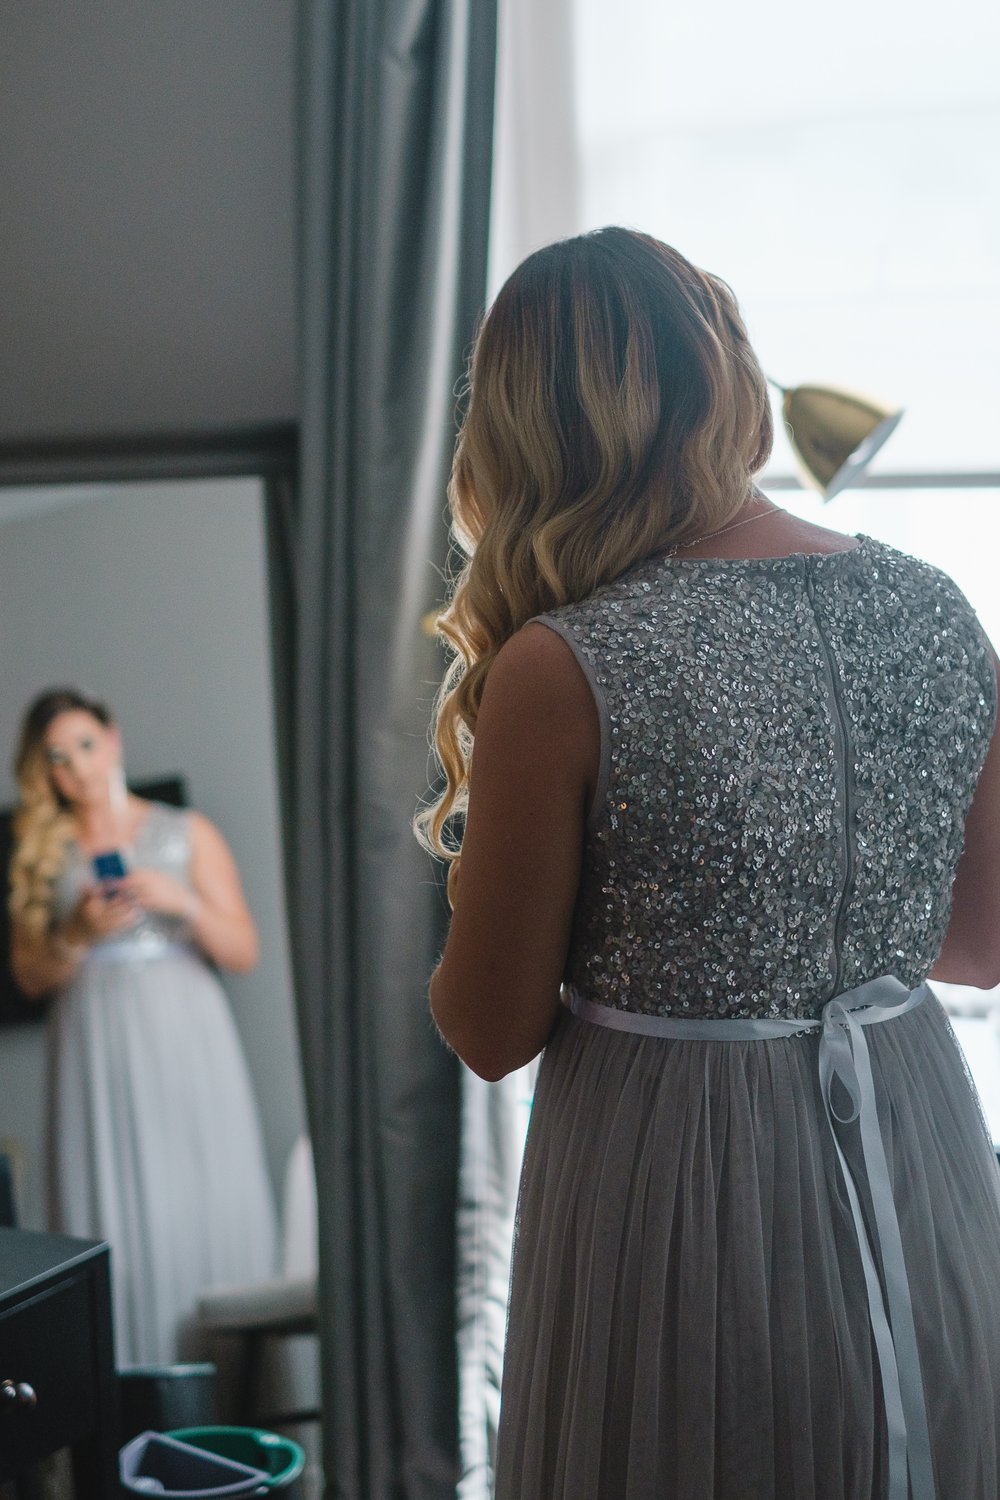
[[615, 408], [43, 820]]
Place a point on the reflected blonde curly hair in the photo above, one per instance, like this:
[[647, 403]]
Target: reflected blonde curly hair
[[43, 821], [615, 408]]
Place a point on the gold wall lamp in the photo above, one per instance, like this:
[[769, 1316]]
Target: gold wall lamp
[[834, 433]]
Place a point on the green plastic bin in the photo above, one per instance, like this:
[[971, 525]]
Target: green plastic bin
[[280, 1459]]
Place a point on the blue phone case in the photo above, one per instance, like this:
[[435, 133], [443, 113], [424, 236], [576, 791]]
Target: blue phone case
[[109, 866]]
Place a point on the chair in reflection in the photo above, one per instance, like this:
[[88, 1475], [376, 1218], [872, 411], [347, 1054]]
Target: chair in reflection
[[268, 1317]]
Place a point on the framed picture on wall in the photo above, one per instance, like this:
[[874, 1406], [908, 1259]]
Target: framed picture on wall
[[15, 1005]]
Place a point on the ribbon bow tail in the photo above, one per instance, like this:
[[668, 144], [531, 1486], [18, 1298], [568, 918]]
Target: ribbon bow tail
[[844, 1055]]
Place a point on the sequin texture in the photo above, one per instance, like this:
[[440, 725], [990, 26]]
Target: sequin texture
[[790, 746]]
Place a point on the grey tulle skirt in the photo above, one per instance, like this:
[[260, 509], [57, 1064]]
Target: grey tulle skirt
[[155, 1145], [688, 1317]]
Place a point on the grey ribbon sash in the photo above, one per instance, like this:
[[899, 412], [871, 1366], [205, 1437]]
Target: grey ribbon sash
[[844, 1055]]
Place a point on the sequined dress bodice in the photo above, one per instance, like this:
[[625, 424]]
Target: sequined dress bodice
[[789, 750], [162, 842]]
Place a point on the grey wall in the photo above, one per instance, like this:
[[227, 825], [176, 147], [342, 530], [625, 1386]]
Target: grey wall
[[154, 597], [147, 202]]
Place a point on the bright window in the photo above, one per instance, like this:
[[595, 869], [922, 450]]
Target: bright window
[[841, 170]]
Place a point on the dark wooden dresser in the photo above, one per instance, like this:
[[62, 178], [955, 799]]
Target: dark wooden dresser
[[57, 1379]]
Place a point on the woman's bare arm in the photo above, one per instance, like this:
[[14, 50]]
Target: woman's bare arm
[[216, 908], [495, 994], [970, 953], [222, 923], [45, 962], [37, 965]]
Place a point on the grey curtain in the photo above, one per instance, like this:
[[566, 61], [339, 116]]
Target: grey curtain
[[396, 103]]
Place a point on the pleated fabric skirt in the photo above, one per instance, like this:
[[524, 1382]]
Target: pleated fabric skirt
[[688, 1317], [155, 1145]]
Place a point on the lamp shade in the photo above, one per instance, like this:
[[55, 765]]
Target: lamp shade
[[835, 434]]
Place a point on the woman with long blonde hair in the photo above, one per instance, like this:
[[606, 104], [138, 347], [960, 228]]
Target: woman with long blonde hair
[[155, 1142], [722, 791]]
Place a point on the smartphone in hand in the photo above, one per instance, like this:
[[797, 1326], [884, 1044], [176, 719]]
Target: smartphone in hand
[[108, 869]]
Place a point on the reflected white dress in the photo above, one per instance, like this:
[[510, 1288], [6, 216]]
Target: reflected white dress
[[155, 1141]]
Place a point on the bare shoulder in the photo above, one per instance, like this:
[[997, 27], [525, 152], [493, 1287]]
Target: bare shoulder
[[538, 723], [206, 838], [536, 671], [777, 533], [808, 536]]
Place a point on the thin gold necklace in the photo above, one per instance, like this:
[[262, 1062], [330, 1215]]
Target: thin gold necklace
[[677, 547]]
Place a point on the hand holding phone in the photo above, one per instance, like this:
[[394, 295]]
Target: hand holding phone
[[108, 869], [101, 912]]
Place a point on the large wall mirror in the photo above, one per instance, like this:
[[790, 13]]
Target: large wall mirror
[[154, 597], [148, 383]]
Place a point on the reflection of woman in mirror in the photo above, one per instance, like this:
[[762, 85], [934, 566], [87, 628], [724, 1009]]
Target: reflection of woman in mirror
[[155, 1142]]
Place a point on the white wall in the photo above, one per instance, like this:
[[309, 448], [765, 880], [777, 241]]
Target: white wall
[[154, 598]]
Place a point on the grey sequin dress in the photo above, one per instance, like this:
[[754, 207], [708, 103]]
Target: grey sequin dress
[[789, 750], [155, 1139]]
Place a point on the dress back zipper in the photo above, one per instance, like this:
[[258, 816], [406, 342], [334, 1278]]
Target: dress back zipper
[[845, 763]]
